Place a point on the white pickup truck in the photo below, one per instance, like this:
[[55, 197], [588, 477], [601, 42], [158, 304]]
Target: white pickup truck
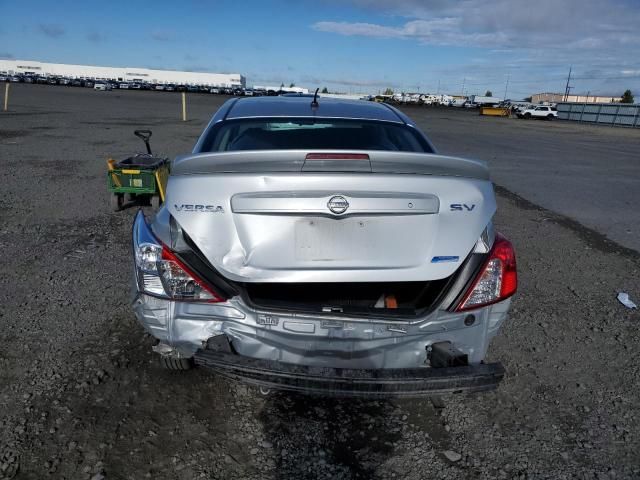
[[543, 111]]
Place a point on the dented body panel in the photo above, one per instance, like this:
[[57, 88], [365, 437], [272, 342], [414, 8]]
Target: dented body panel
[[277, 228]]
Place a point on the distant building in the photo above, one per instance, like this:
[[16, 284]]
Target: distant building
[[121, 74], [559, 97]]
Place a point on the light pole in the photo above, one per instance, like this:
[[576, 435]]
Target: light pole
[[506, 87]]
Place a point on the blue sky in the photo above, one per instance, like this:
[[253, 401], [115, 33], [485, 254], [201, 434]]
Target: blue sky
[[348, 45]]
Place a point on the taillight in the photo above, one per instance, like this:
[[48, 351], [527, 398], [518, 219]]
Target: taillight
[[180, 283], [161, 273], [496, 281]]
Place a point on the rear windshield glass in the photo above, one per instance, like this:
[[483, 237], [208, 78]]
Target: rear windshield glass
[[312, 134]]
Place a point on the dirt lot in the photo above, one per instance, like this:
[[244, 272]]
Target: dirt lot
[[81, 396]]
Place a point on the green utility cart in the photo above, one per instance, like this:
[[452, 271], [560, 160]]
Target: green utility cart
[[141, 174]]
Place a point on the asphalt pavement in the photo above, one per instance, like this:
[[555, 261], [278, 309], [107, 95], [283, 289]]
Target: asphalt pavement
[[590, 173]]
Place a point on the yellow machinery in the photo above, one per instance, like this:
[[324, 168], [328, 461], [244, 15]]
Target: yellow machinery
[[495, 111]]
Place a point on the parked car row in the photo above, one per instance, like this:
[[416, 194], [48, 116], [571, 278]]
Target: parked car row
[[521, 109], [424, 99], [111, 84]]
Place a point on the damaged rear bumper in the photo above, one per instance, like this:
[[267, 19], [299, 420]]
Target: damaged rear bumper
[[396, 382]]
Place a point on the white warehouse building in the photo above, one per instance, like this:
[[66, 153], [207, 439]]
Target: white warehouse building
[[121, 74]]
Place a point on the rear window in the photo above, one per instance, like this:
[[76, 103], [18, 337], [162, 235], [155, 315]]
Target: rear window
[[312, 134]]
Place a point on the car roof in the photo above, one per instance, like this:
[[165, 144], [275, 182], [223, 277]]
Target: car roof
[[252, 107]]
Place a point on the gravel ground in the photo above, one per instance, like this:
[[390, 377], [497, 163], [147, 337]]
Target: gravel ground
[[82, 397]]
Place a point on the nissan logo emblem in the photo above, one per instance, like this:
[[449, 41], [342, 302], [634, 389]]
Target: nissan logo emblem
[[338, 204]]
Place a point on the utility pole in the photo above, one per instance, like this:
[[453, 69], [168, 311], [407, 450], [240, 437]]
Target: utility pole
[[463, 82], [567, 88], [506, 87], [438, 92]]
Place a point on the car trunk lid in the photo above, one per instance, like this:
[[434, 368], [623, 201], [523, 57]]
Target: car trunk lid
[[258, 224]]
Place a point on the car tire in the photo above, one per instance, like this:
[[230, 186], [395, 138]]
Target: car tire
[[116, 201], [549, 117], [155, 202], [527, 116], [176, 364]]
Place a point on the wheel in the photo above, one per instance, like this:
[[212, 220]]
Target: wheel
[[176, 364], [527, 116], [549, 117], [116, 200], [155, 202]]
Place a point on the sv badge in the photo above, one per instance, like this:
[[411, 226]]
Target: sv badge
[[461, 207]]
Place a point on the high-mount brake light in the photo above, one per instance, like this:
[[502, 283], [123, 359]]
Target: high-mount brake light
[[337, 156], [497, 279]]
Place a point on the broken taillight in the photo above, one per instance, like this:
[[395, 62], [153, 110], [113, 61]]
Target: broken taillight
[[497, 279], [161, 273], [180, 283]]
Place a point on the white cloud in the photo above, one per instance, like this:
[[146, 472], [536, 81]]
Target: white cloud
[[96, 37], [51, 30], [533, 41], [442, 31], [162, 35], [349, 82], [362, 29], [590, 24]]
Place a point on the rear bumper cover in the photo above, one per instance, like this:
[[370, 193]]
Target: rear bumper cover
[[316, 340], [396, 382]]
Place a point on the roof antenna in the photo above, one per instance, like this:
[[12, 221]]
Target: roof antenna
[[314, 102]]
